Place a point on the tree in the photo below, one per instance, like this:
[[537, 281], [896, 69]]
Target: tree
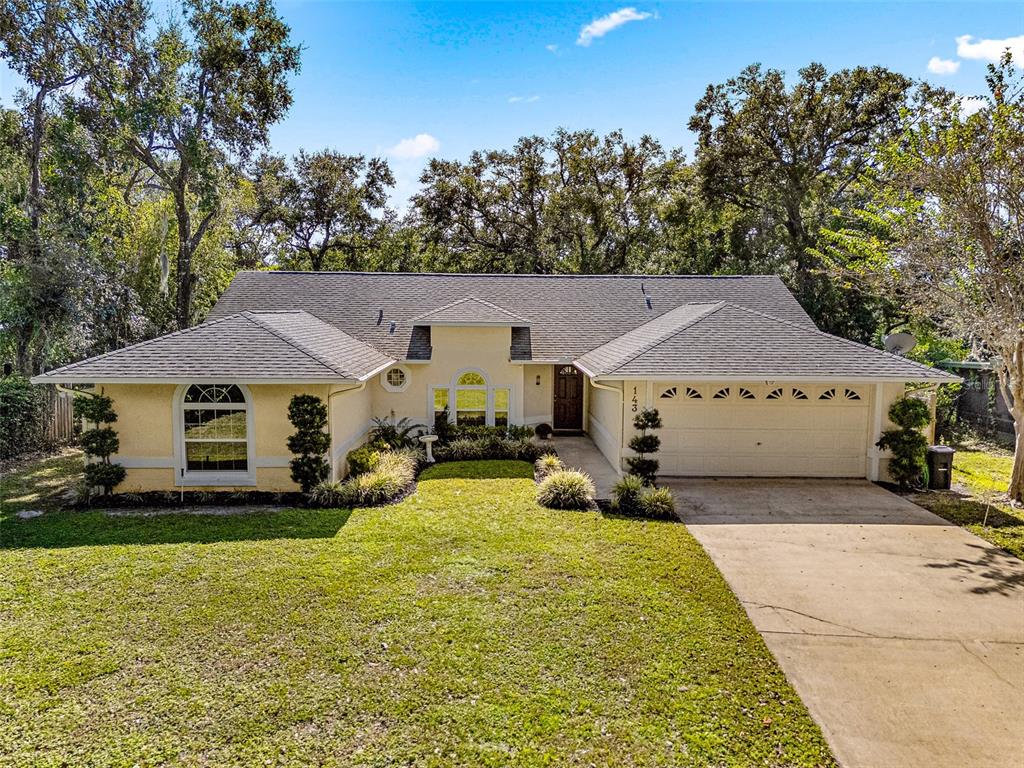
[[187, 103], [330, 208], [943, 230], [308, 415], [788, 156]]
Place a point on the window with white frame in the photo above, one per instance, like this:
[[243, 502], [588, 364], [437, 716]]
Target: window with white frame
[[215, 434], [395, 379], [470, 399]]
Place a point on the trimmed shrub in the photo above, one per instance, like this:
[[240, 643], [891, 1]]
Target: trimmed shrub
[[908, 445], [99, 443], [547, 464], [22, 415], [658, 504], [451, 432], [393, 475], [626, 495], [472, 449], [543, 431], [631, 497], [308, 415], [566, 489], [362, 459], [645, 444]]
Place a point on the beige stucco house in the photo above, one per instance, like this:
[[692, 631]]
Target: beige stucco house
[[745, 382]]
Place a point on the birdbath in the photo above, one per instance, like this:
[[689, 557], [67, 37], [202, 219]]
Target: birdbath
[[429, 440]]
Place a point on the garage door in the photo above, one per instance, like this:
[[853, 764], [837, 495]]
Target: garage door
[[762, 431]]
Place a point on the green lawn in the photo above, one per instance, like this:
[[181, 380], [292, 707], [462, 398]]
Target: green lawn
[[981, 475], [464, 626]]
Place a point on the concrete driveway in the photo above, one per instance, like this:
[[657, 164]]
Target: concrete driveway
[[903, 634]]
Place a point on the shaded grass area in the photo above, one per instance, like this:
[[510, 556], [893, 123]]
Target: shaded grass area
[[981, 475], [40, 484], [463, 626]]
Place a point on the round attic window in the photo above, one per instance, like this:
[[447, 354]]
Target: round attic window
[[395, 379]]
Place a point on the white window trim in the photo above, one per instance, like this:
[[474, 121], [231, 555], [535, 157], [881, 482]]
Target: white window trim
[[391, 387], [183, 478], [453, 390]]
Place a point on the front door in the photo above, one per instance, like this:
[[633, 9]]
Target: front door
[[568, 398]]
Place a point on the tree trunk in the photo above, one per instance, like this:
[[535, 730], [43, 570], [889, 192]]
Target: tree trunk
[[183, 269], [1016, 489], [35, 163]]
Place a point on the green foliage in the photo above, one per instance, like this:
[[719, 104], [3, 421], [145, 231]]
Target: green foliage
[[908, 445], [626, 494], [391, 477], [548, 464], [310, 442], [363, 459], [99, 442], [566, 489], [470, 449], [97, 408], [104, 475], [632, 497], [22, 413], [395, 434], [645, 444], [910, 413], [102, 441]]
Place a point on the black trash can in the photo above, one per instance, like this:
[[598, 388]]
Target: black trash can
[[940, 467]]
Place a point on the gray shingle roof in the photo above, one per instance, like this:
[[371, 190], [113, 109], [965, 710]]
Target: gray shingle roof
[[470, 311], [568, 314], [284, 346], [725, 340]]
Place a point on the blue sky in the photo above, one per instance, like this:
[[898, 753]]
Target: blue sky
[[375, 76]]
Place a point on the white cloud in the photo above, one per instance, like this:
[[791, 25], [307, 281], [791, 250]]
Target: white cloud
[[939, 66], [524, 99], [602, 26], [991, 50], [552, 47], [420, 145], [971, 104]]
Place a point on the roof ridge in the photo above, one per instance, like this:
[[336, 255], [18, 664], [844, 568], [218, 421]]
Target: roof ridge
[[712, 308], [848, 342], [136, 345], [507, 274], [251, 316]]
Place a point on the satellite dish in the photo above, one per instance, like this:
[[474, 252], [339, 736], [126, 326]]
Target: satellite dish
[[899, 343]]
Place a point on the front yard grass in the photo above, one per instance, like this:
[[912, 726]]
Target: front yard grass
[[463, 626], [981, 474]]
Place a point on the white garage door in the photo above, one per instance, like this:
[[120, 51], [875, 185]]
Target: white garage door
[[762, 431]]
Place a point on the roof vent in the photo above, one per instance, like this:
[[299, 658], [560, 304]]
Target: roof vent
[[391, 330], [647, 301], [380, 316], [642, 289]]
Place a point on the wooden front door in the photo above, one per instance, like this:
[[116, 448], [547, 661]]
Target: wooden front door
[[568, 398]]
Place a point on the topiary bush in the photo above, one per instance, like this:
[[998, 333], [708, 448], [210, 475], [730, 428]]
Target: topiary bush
[[909, 447], [644, 444], [547, 464], [308, 415], [99, 443], [566, 489], [22, 417]]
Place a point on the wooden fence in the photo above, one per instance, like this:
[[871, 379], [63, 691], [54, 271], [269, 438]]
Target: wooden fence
[[59, 417]]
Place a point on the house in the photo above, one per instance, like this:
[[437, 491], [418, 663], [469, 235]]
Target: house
[[745, 382]]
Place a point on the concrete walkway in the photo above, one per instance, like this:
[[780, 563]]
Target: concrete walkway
[[581, 453], [903, 634]]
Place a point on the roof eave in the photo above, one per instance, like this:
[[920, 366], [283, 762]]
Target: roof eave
[[471, 324], [233, 379], [664, 376]]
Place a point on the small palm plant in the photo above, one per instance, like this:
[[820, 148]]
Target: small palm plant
[[395, 434]]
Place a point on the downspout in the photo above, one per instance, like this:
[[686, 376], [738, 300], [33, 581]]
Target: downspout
[[330, 412], [622, 405]]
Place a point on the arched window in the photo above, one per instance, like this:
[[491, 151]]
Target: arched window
[[470, 399], [215, 446]]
